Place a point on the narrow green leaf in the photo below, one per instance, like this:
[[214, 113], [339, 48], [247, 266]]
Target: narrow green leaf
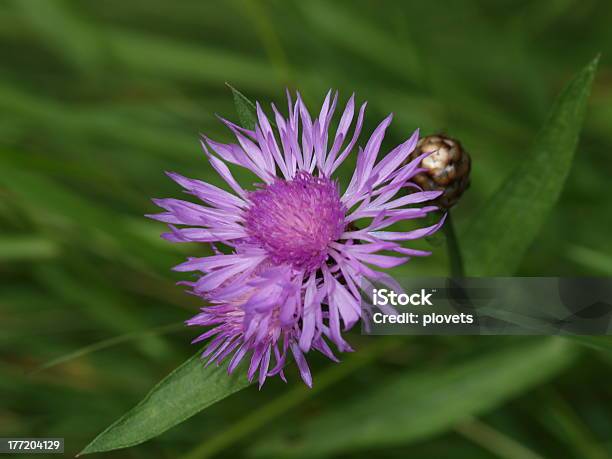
[[433, 401], [495, 441], [592, 259], [565, 424], [600, 343], [20, 248], [186, 391], [245, 108], [503, 231], [105, 344]]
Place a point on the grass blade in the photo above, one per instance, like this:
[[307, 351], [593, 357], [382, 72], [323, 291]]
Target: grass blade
[[105, 344], [494, 441], [600, 343], [30, 248], [592, 259]]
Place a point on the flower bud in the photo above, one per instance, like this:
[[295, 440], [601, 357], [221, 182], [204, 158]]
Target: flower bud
[[446, 168]]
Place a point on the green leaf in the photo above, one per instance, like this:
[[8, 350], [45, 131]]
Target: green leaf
[[600, 343], [501, 233], [594, 260], [30, 248], [105, 344], [186, 391], [432, 401], [247, 112]]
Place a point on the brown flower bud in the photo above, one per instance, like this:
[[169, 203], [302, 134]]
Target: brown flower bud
[[447, 168]]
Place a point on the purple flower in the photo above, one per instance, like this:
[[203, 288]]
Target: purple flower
[[289, 279]]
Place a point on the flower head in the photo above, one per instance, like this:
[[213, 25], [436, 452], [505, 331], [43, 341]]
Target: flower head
[[296, 220], [297, 261]]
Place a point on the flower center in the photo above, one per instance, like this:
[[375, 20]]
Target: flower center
[[295, 220]]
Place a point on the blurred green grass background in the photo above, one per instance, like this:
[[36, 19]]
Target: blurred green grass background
[[99, 98]]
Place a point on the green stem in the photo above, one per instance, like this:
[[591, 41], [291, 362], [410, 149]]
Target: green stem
[[452, 244]]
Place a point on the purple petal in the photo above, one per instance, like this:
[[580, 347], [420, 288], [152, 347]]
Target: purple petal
[[302, 365]]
